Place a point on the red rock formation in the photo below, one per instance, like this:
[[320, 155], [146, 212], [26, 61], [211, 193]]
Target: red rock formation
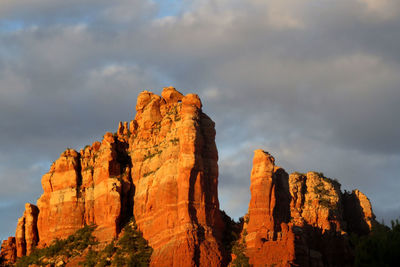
[[358, 212], [168, 181], [174, 170], [162, 169], [26, 234], [316, 201], [84, 188], [269, 239], [8, 251], [61, 209], [313, 203]]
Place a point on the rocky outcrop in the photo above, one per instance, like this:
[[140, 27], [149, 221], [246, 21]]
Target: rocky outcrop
[[26, 234], [316, 201], [358, 212], [301, 219], [86, 188], [61, 209], [268, 235], [175, 171], [8, 251]]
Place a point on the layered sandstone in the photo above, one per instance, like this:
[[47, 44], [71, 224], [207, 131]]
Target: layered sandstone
[[85, 188], [175, 171], [300, 219], [61, 209]]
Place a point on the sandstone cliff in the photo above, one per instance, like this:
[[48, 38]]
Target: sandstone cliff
[[161, 169], [175, 172]]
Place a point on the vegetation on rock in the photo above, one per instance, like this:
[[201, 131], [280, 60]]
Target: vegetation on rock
[[72, 246], [131, 249]]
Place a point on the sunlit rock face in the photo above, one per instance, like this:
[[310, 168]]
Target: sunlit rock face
[[269, 238], [161, 168], [83, 188], [300, 218], [175, 172], [26, 234]]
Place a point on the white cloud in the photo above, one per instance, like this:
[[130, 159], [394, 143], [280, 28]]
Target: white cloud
[[384, 9]]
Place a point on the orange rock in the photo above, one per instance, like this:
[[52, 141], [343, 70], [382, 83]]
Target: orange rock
[[171, 95], [26, 234], [85, 188], [8, 251], [269, 239], [314, 206], [61, 209], [174, 170], [319, 204]]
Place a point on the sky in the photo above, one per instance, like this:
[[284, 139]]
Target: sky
[[315, 83]]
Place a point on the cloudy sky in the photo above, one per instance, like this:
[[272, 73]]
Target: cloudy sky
[[315, 83]]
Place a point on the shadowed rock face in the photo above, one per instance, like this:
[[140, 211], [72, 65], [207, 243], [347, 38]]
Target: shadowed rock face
[[358, 212], [162, 169], [300, 219]]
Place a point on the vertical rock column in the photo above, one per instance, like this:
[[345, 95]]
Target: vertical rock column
[[175, 172], [269, 239], [61, 209], [26, 234]]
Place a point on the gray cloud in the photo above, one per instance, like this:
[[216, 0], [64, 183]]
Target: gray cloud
[[316, 84]]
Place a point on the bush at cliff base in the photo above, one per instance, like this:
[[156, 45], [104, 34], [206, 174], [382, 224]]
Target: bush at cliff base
[[69, 247], [380, 248]]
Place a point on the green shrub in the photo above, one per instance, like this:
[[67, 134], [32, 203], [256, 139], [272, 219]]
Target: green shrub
[[150, 155], [71, 246], [174, 141], [380, 248], [134, 247], [130, 250], [238, 250]]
